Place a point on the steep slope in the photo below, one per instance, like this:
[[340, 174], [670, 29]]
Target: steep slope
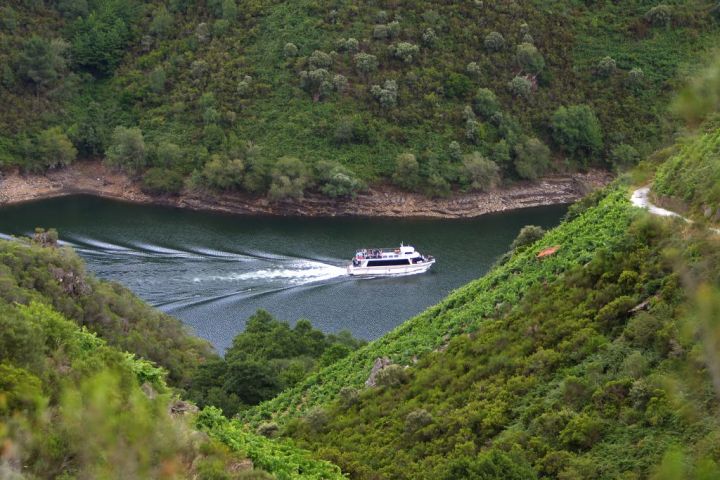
[[467, 308], [30, 271], [594, 374], [604, 364], [329, 94], [74, 406]]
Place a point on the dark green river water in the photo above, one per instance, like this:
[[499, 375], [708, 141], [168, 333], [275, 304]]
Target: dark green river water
[[213, 270]]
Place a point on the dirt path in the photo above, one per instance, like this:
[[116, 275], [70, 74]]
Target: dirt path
[[383, 201], [641, 198]]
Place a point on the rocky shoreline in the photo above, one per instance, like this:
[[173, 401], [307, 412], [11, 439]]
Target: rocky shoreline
[[384, 201]]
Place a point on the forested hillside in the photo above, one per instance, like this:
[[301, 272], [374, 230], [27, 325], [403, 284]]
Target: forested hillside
[[280, 98], [591, 353]]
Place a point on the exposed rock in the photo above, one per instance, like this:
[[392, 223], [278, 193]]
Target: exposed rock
[[72, 282], [380, 201], [241, 466], [640, 306], [707, 212], [148, 390], [380, 363], [181, 407]]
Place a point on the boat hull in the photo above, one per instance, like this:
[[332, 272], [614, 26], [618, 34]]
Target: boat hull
[[390, 270]]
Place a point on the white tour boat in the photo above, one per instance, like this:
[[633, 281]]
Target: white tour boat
[[404, 260]]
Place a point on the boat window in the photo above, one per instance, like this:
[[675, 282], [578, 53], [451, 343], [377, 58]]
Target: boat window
[[387, 263]]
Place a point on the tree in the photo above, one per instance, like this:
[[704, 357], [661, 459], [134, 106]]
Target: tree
[[98, 41], [405, 51], [336, 180], [624, 156], [41, 62], [494, 42], [290, 178], [457, 85], [162, 22], [127, 149], [386, 95], [481, 173], [577, 130], [55, 149], [529, 58], [290, 50], [319, 59], [365, 63], [605, 67], [407, 171], [532, 158], [223, 174], [486, 103], [521, 87]]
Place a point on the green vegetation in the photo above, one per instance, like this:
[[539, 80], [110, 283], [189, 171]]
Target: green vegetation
[[464, 309], [178, 94], [692, 174], [56, 276], [268, 357], [73, 405], [585, 377]]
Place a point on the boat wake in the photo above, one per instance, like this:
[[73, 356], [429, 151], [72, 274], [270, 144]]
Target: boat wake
[[298, 273]]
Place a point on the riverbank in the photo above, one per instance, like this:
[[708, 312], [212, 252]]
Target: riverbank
[[95, 179]]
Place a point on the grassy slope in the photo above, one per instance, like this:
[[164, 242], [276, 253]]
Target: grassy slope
[[463, 310], [692, 175]]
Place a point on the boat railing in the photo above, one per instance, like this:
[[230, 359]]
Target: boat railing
[[378, 252]]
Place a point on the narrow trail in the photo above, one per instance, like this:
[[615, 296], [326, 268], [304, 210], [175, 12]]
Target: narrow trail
[[641, 198]]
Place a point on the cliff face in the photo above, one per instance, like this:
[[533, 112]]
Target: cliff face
[[383, 201]]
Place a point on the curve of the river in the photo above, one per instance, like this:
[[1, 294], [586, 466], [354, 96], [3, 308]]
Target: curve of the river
[[213, 270]]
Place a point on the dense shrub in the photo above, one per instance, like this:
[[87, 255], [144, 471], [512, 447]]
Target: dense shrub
[[336, 180], [528, 235], [606, 67], [521, 87], [290, 178], [577, 130], [162, 180], [386, 95], [481, 174], [407, 171], [532, 158], [624, 156], [405, 51], [127, 149]]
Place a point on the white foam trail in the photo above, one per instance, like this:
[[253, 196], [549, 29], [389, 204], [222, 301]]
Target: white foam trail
[[209, 252], [6, 237], [296, 274], [163, 251]]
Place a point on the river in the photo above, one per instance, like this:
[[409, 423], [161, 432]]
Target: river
[[214, 270]]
